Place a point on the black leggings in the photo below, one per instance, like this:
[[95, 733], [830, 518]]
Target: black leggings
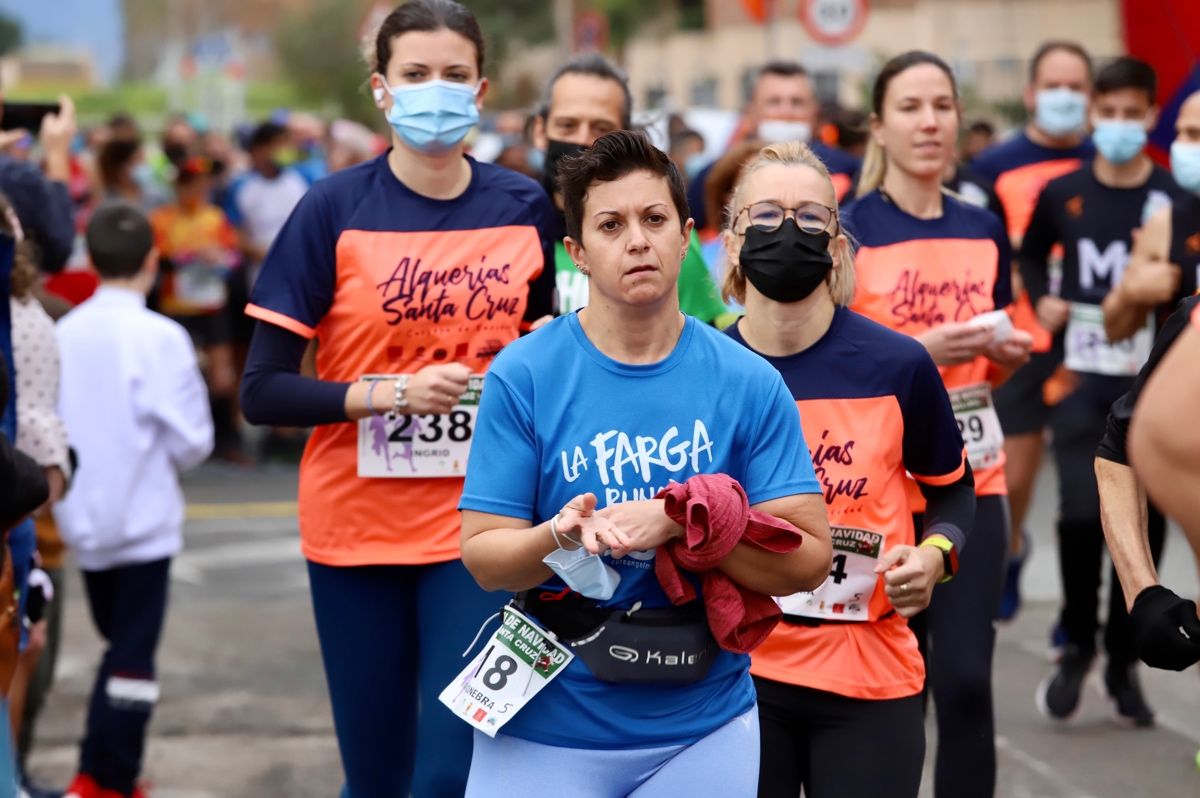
[[1079, 422], [957, 637], [838, 747]]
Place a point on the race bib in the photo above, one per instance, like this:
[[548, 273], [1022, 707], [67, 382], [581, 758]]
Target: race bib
[[409, 446], [518, 661], [201, 286], [1089, 351], [978, 424], [846, 593]]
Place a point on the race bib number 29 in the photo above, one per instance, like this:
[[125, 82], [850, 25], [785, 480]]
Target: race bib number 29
[[978, 424], [430, 445]]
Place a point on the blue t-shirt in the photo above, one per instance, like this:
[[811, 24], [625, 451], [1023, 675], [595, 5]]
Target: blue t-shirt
[[624, 432]]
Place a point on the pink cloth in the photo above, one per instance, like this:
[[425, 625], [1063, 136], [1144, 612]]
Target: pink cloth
[[716, 516]]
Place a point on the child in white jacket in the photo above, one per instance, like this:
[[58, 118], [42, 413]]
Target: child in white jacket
[[137, 410]]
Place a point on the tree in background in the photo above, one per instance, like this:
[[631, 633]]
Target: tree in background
[[319, 51], [10, 34]]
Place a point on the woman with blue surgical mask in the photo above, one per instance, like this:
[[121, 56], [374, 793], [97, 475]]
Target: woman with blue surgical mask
[[412, 270]]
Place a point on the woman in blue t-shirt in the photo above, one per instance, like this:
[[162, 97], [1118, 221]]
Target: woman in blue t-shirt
[[581, 424]]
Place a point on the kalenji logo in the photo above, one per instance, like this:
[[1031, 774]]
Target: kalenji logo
[[622, 653]]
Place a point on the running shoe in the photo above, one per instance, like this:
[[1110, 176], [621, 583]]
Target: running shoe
[[1125, 691], [1058, 695], [83, 786], [1010, 601]]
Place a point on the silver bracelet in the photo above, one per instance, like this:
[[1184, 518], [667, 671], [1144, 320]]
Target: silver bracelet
[[399, 402], [557, 540]]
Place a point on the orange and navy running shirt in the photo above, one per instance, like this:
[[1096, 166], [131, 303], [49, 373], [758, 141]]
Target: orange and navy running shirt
[[874, 407], [916, 274], [388, 282], [1019, 169]]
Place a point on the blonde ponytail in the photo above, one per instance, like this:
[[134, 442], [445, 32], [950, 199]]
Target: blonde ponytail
[[874, 167]]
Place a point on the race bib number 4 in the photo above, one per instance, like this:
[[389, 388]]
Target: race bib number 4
[[1089, 351], [518, 661], [978, 424], [410, 446], [846, 593]]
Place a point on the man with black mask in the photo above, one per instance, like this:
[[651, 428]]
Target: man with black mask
[[584, 99]]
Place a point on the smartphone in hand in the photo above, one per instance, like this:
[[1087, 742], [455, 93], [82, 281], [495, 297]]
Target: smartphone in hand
[[25, 116]]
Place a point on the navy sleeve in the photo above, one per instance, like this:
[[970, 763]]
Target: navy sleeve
[[1113, 445], [1002, 294], [296, 285], [695, 197], [541, 288], [273, 390], [1040, 238], [950, 509], [44, 209], [932, 445]]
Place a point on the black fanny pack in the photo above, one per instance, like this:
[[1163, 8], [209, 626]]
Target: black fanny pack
[[670, 645]]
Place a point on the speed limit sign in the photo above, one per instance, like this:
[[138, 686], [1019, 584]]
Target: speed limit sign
[[833, 22]]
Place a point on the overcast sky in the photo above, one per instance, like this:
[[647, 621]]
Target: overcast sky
[[92, 24]]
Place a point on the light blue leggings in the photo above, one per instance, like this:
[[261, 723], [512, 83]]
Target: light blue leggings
[[724, 763]]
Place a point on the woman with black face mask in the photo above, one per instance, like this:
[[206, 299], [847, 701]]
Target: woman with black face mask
[[843, 673]]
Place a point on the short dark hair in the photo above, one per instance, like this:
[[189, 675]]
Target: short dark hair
[[427, 15], [119, 238], [597, 66], [983, 127], [613, 156], [1054, 46], [1127, 73], [266, 134], [684, 136], [783, 69]]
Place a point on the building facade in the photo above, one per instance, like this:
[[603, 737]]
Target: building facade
[[987, 42]]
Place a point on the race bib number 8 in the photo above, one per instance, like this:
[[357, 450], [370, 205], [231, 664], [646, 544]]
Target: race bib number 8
[[846, 593], [518, 661], [1089, 351], [409, 446], [978, 424]]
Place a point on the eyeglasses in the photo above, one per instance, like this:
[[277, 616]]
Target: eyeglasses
[[811, 217]]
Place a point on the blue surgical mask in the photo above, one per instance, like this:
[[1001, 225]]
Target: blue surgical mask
[[695, 165], [1185, 165], [1060, 111], [434, 116], [585, 573], [536, 159], [1118, 140]]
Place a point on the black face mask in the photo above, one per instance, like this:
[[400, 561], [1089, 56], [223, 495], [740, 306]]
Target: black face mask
[[555, 152], [785, 265], [176, 153]]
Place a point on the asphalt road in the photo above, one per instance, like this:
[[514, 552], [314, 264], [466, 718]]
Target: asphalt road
[[244, 712]]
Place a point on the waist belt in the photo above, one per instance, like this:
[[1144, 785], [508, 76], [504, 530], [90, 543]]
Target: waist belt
[[804, 620], [661, 644]]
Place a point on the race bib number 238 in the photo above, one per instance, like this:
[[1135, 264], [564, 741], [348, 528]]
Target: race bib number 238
[[430, 445]]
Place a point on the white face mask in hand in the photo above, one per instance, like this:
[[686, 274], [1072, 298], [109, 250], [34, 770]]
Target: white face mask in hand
[[586, 574]]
